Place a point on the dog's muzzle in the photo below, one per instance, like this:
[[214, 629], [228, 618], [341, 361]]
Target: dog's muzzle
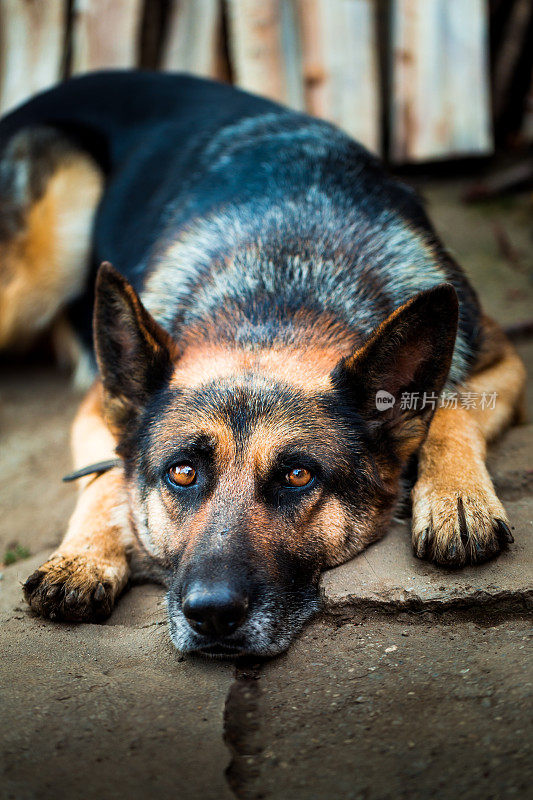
[[224, 613]]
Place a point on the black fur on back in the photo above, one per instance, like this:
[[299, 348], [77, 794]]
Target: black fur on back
[[230, 214]]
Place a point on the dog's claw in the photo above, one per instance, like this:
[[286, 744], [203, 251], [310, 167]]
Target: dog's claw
[[503, 532], [421, 545], [33, 581], [99, 593], [463, 527], [71, 598]]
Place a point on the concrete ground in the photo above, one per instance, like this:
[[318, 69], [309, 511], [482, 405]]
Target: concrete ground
[[414, 682]]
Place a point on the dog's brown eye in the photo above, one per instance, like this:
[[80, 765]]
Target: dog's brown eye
[[298, 477], [182, 474]]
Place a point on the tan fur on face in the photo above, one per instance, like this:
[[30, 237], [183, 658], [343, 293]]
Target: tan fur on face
[[45, 264], [340, 532], [308, 370], [323, 527]]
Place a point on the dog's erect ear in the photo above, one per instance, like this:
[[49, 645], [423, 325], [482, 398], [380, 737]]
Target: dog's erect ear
[[408, 355], [133, 351]]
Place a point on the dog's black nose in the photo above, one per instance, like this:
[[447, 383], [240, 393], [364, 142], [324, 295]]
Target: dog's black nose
[[214, 610]]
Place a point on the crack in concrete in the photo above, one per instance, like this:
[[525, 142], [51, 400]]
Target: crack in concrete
[[508, 603], [241, 729]]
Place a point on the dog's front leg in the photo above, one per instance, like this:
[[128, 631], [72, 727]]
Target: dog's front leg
[[457, 517], [82, 579]]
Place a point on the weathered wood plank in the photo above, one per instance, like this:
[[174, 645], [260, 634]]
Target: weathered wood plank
[[340, 65], [440, 104], [255, 46], [31, 49], [315, 73], [255, 41], [105, 34], [292, 55], [193, 37]]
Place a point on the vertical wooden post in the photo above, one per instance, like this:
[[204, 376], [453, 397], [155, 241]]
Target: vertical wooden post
[[105, 34], [292, 55], [31, 48], [315, 72], [340, 65], [256, 48], [440, 85], [193, 37]]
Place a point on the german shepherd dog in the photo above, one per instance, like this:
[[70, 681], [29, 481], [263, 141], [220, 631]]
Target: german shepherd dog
[[269, 281]]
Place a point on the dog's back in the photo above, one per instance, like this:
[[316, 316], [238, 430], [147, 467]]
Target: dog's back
[[279, 213], [223, 207]]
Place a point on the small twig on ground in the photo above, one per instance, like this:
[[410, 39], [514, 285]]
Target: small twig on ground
[[507, 250]]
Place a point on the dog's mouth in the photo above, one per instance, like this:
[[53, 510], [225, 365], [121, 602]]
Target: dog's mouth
[[219, 650]]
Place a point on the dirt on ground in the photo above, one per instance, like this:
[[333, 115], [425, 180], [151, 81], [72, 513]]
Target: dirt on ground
[[381, 709]]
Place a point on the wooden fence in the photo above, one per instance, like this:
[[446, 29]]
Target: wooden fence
[[408, 78]]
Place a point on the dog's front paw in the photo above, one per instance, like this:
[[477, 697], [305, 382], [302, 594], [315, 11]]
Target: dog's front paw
[[458, 527], [73, 588]]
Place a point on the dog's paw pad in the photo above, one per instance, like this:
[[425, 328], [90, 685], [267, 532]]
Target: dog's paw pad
[[76, 589], [458, 527]]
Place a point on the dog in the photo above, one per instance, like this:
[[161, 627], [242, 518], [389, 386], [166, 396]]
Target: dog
[[275, 298]]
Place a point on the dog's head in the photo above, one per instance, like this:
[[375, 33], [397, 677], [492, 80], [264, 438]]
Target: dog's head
[[248, 473]]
